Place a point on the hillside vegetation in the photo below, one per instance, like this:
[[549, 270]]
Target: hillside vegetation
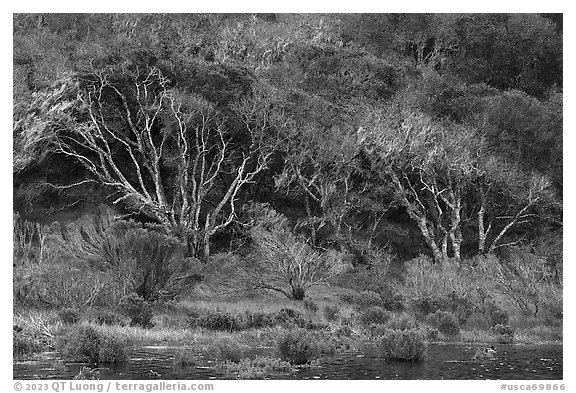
[[381, 171]]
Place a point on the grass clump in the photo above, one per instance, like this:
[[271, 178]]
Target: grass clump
[[87, 373], [401, 322], [310, 306], [403, 345], [186, 358], [298, 347], [366, 299], [137, 309], [87, 344], [257, 320], [229, 350], [331, 313], [256, 368], [109, 318], [289, 317], [219, 321], [374, 315], [445, 322]]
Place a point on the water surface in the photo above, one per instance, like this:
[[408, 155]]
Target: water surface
[[445, 361]]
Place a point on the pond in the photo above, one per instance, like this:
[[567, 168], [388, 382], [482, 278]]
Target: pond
[[445, 361]]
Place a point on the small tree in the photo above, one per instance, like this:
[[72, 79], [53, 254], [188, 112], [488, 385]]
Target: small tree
[[285, 262]]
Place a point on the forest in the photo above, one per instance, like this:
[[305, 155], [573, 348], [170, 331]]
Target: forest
[[352, 177]]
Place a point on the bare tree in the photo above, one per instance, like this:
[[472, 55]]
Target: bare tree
[[439, 171], [286, 263], [169, 156]]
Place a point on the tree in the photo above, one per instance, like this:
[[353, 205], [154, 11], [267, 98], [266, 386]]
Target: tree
[[441, 170], [170, 156], [284, 262]]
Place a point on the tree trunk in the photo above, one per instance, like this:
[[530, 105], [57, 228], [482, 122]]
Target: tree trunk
[[298, 293], [481, 231], [456, 241], [436, 252]]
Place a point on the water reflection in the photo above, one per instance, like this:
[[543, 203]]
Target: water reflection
[[450, 361]]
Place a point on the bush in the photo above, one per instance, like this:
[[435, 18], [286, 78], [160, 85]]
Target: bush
[[298, 347], [391, 300], [69, 316], [430, 333], [283, 261], [86, 344], [497, 316], [367, 299], [403, 345], [137, 309], [289, 317], [374, 315], [185, 358], [141, 259], [105, 317], [310, 306], [255, 368], [331, 313], [112, 350], [229, 350], [505, 333], [425, 305], [220, 321], [445, 322], [401, 322], [257, 320], [24, 345]]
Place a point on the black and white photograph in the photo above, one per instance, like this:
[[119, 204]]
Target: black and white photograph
[[287, 196]]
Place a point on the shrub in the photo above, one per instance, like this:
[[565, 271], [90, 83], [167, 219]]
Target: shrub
[[220, 321], [367, 299], [298, 347], [430, 333], [257, 320], [286, 262], [310, 306], [401, 322], [331, 313], [505, 333], [69, 316], [445, 322], [403, 345], [427, 305], [88, 373], [142, 259], [86, 344], [461, 306], [391, 300], [374, 315], [185, 358], [24, 345], [289, 316], [137, 309], [255, 368], [229, 350], [497, 316], [105, 317], [112, 350]]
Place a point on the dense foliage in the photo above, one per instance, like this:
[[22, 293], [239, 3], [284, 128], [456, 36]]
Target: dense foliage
[[306, 144]]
